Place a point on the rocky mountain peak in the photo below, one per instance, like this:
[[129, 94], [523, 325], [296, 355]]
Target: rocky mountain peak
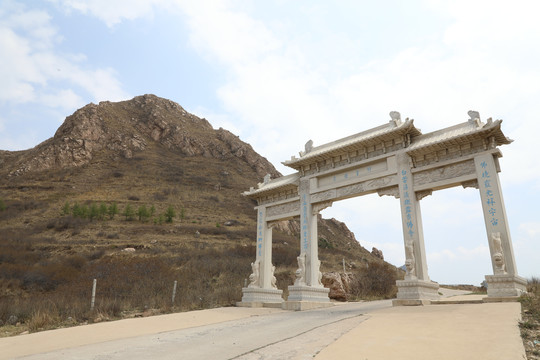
[[121, 129]]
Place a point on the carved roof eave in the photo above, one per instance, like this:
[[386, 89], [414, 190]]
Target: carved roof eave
[[355, 142], [458, 135], [284, 183]]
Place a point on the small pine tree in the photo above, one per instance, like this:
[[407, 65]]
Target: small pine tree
[[143, 213], [93, 211], [3, 206], [77, 210], [128, 212], [112, 211], [84, 211], [152, 210], [66, 210], [102, 211], [169, 214]]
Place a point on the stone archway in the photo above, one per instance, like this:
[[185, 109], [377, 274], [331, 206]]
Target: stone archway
[[394, 159]]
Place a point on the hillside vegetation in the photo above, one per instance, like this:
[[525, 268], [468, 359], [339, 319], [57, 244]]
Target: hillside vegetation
[[137, 195]]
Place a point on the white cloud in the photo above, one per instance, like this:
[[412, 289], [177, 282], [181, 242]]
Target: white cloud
[[443, 255], [532, 229], [111, 12], [36, 72], [482, 250], [64, 99]]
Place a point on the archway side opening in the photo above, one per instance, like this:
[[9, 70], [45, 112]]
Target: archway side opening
[[455, 237]]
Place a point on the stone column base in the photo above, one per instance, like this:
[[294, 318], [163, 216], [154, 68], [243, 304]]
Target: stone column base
[[303, 297], [259, 297], [414, 289], [500, 286], [308, 293]]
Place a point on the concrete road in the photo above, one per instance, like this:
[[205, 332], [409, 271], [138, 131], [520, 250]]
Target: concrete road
[[275, 335]]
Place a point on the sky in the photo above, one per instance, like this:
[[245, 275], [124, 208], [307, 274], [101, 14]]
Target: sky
[[279, 73]]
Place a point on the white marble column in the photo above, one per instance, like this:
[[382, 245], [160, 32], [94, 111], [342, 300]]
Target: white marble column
[[417, 285], [261, 288], [307, 286], [505, 281]]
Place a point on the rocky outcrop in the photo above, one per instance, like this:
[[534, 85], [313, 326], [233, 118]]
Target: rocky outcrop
[[124, 128], [342, 228], [339, 285], [377, 253]]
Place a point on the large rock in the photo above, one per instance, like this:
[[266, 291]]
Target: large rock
[[377, 253], [338, 285]]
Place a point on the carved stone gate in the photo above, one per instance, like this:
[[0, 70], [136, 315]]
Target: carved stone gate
[[394, 159]]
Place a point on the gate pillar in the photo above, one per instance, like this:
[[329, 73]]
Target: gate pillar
[[505, 281], [307, 288], [417, 285], [262, 287]]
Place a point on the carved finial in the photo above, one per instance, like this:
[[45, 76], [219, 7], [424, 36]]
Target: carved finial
[[474, 118], [266, 179], [307, 148], [396, 117], [474, 115]]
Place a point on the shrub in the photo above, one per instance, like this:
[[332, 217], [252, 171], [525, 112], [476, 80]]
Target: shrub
[[2, 205], [169, 214], [102, 211], [66, 210], [129, 213], [143, 213], [80, 211], [377, 281], [93, 211], [112, 210]]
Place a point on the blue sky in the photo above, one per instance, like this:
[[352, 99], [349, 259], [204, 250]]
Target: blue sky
[[278, 73]]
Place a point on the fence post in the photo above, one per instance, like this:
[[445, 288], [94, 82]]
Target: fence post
[[93, 295], [174, 291]]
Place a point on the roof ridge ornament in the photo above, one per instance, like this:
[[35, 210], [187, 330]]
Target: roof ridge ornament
[[396, 118], [308, 147], [474, 118], [266, 180]]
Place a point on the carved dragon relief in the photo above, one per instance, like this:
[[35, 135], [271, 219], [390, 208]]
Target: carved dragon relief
[[323, 196], [444, 173], [365, 186]]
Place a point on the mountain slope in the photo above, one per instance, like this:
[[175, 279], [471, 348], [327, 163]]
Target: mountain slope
[[150, 156]]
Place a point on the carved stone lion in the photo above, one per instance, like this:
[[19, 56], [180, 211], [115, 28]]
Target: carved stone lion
[[301, 271], [254, 277], [410, 260], [498, 254]]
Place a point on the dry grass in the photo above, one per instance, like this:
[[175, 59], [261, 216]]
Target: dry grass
[[49, 257], [530, 324]]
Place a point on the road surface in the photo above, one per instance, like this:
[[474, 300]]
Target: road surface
[[278, 335]]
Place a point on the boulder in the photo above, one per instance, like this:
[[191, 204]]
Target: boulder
[[334, 282], [377, 253]]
